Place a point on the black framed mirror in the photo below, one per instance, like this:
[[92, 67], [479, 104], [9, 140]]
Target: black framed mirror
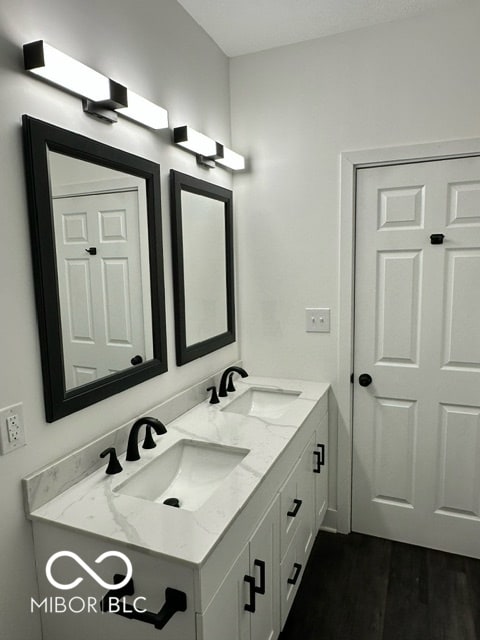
[[203, 266], [96, 233]]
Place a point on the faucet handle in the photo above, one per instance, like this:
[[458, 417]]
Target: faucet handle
[[114, 465], [149, 442], [214, 397]]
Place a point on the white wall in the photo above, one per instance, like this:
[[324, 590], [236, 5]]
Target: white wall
[[294, 110], [156, 49]]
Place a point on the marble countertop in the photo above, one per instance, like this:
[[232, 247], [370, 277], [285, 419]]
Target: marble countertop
[[93, 506]]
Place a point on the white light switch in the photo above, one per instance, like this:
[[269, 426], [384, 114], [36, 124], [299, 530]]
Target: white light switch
[[317, 320]]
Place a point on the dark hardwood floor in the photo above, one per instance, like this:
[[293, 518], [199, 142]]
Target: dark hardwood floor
[[357, 587]]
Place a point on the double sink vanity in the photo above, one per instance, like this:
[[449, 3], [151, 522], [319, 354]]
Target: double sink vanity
[[216, 521]]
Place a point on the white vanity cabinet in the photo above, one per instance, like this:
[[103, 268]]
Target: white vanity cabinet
[[238, 561], [246, 604]]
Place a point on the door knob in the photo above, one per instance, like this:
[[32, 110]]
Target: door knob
[[364, 379], [436, 238], [136, 360]]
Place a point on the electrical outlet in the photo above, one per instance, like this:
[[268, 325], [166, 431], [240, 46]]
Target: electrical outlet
[[12, 433]]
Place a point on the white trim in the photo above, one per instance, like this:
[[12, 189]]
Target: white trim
[[350, 162]]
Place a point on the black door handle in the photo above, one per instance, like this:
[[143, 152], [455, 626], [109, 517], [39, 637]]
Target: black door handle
[[436, 238], [364, 379], [136, 360], [320, 458], [261, 587], [250, 606], [298, 568], [296, 508], [92, 251]]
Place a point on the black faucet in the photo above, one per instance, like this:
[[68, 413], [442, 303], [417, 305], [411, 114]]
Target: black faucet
[[222, 392], [132, 447]]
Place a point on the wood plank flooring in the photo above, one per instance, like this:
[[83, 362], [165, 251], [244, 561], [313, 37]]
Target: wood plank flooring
[[358, 587]]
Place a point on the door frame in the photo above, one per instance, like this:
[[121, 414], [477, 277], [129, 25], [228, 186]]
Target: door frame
[[350, 163]]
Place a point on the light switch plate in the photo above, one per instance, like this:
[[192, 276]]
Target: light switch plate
[[317, 320]]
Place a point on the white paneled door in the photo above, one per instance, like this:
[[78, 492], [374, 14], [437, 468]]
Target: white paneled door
[[100, 284], [416, 466]]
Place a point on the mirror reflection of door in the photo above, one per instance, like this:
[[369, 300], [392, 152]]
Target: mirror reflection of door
[[100, 237], [204, 264]]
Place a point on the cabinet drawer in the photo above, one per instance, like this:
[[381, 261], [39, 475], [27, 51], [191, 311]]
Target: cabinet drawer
[[291, 574], [290, 510]]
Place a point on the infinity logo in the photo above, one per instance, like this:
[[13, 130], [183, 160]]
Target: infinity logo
[[87, 569]]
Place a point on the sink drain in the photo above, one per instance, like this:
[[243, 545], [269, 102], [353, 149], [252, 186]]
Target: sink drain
[[172, 502]]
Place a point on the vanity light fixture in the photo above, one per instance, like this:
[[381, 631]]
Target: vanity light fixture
[[231, 160], [102, 97], [143, 111], [208, 151]]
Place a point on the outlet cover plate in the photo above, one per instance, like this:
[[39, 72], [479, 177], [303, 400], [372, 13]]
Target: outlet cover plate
[[7, 443], [317, 320]]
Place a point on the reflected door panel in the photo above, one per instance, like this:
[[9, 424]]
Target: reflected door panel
[[100, 284]]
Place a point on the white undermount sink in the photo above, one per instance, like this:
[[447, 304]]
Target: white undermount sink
[[189, 471], [263, 402]]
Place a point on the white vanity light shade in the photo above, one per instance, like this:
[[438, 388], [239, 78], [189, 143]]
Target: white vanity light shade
[[194, 141], [143, 111], [53, 65], [232, 160]]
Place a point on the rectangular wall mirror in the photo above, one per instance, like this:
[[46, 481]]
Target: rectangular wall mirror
[[95, 220], [203, 266]]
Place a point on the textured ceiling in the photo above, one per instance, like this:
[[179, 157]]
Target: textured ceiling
[[245, 26]]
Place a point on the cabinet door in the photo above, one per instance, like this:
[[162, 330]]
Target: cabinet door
[[291, 574], [252, 582], [306, 492], [225, 616], [321, 471], [290, 510], [297, 502], [264, 567]]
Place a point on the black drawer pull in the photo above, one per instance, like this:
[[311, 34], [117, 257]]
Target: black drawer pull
[[250, 606], [296, 508], [261, 587], [320, 458], [296, 575], [174, 601]]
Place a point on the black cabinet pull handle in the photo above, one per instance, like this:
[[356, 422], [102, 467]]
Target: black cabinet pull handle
[[261, 587], [174, 601], [250, 606], [92, 251], [296, 508], [436, 238], [320, 458], [296, 575], [136, 360], [364, 379]]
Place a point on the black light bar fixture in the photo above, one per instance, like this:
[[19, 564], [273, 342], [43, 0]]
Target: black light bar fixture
[[209, 152], [102, 97]]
